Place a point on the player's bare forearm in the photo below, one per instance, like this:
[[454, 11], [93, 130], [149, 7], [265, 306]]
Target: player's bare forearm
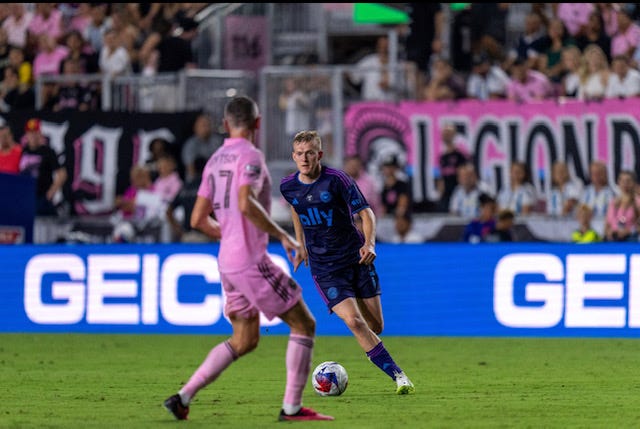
[[302, 255], [368, 226], [297, 226], [211, 228], [202, 221], [256, 213], [253, 210], [368, 249]]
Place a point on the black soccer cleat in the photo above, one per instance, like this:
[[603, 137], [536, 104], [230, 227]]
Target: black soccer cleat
[[173, 404]]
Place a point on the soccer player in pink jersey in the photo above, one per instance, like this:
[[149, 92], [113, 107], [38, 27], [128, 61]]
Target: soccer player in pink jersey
[[236, 188]]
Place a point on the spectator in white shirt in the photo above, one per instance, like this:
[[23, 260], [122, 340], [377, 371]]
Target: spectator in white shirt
[[486, 81], [404, 233], [519, 195], [464, 201], [598, 192], [373, 74], [114, 59], [565, 193], [571, 58], [624, 81], [594, 73], [17, 24]]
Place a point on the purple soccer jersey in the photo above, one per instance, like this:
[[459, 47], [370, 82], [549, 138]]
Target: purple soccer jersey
[[326, 209]]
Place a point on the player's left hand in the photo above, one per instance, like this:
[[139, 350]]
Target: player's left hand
[[300, 256], [367, 254]]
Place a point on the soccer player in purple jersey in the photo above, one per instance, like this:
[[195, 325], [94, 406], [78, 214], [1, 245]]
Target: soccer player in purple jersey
[[323, 201], [236, 188]]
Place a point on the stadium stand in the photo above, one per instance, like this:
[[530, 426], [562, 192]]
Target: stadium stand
[[156, 58]]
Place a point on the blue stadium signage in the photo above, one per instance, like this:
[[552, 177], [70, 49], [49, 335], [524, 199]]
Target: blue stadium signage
[[436, 289]]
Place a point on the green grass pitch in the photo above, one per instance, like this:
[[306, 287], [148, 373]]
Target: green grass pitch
[[120, 381]]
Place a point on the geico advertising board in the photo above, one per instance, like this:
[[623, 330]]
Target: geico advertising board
[[517, 289]]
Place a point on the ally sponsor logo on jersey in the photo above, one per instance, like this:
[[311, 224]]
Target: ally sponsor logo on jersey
[[314, 215]]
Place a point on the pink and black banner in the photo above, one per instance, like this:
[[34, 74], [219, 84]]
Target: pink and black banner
[[497, 133], [99, 148]]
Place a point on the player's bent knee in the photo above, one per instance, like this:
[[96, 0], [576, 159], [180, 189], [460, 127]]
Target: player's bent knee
[[376, 327], [306, 328], [310, 328], [355, 323], [246, 346]]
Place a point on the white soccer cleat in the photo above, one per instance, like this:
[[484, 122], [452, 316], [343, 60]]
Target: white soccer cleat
[[405, 386]]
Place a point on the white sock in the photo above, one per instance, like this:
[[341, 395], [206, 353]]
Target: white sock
[[291, 409], [184, 398]]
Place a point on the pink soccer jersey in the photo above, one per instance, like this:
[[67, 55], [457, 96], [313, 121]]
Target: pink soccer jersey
[[236, 163]]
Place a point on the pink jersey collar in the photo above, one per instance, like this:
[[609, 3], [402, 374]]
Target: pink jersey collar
[[235, 140]]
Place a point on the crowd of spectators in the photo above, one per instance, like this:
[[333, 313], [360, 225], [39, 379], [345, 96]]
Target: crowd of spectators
[[586, 51], [583, 51], [159, 200], [111, 39]]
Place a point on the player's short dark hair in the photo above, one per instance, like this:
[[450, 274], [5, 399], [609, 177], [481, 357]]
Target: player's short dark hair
[[241, 112]]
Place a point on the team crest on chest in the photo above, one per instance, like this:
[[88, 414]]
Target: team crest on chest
[[325, 196]]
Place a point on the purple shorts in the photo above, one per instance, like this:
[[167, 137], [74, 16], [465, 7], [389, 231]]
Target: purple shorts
[[263, 287], [354, 281]]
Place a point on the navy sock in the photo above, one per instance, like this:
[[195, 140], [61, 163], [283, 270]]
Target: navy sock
[[382, 359]]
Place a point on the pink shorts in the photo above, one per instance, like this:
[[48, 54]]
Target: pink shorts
[[263, 287]]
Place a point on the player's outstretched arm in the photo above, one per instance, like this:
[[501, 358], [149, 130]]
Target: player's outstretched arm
[[368, 249], [201, 219], [302, 255], [251, 208]]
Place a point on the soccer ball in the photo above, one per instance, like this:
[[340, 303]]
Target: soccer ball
[[329, 379]]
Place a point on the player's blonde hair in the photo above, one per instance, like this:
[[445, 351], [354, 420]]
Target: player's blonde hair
[[308, 136]]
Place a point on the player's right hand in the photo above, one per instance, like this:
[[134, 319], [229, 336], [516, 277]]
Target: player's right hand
[[291, 246]]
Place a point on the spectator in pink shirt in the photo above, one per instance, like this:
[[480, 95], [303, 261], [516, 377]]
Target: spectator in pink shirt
[[527, 85], [47, 20], [49, 57], [16, 24], [168, 183], [622, 212], [81, 17], [628, 36], [575, 16], [48, 61]]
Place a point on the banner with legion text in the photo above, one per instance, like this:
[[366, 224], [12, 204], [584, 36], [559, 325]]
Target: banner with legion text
[[496, 133]]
